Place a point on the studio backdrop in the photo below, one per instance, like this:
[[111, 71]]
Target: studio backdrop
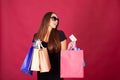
[[95, 23]]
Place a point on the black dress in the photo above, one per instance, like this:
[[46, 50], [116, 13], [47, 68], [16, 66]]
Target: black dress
[[54, 73]]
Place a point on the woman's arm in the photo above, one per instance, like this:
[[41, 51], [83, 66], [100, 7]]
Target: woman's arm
[[63, 45]]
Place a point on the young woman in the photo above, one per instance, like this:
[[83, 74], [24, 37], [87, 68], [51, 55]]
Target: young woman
[[55, 41]]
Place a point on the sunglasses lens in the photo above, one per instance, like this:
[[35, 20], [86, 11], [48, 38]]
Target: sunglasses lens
[[54, 18]]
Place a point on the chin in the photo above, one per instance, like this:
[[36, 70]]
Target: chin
[[54, 27]]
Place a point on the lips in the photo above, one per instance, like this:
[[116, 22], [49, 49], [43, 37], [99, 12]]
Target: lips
[[55, 24]]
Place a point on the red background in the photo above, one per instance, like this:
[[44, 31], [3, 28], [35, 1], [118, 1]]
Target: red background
[[95, 23]]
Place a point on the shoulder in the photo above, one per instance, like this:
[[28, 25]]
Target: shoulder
[[60, 31], [62, 35], [34, 37]]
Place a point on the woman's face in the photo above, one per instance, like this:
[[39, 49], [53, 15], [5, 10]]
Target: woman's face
[[53, 21]]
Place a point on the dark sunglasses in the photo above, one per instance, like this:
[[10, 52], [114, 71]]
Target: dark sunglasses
[[54, 18]]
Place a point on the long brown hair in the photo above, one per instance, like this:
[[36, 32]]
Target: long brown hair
[[54, 40]]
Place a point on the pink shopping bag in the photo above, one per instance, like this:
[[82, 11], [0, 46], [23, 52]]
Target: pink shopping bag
[[71, 64]]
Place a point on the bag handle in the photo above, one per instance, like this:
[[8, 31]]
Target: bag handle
[[72, 46], [38, 44], [41, 45]]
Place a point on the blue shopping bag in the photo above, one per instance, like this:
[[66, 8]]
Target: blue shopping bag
[[27, 62]]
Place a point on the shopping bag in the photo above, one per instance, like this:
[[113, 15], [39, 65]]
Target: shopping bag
[[27, 62], [71, 64], [40, 59], [45, 65], [35, 60]]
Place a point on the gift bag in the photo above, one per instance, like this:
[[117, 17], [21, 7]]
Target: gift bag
[[71, 64], [27, 62], [40, 59], [45, 65], [35, 60]]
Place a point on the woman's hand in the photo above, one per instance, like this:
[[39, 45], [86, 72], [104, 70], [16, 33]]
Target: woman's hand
[[71, 45]]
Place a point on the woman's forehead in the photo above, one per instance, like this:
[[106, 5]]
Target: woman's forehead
[[54, 15]]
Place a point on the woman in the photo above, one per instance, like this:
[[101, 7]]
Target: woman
[[55, 41]]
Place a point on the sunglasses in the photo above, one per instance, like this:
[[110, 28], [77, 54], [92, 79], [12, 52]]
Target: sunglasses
[[54, 18]]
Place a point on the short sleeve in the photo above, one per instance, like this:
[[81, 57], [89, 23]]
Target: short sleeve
[[62, 35]]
